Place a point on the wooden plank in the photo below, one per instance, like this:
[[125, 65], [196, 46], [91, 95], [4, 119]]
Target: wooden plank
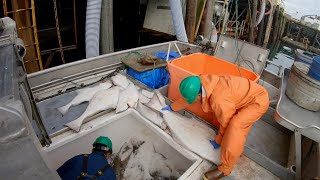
[[49, 59], [300, 45], [200, 10], [284, 23], [106, 27], [261, 31], [35, 33], [4, 5], [134, 64], [280, 26], [268, 30], [207, 18], [191, 19], [276, 25]]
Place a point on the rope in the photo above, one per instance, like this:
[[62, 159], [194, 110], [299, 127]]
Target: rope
[[58, 30], [247, 62], [236, 40]]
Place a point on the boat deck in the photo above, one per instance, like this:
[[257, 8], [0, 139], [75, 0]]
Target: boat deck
[[245, 169]]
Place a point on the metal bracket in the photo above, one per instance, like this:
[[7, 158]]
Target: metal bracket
[[168, 52], [281, 68], [297, 137]]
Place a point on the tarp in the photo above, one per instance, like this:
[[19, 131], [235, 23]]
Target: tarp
[[157, 77]]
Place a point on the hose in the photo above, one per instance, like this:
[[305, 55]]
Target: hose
[[271, 9], [93, 27], [178, 22], [262, 11]]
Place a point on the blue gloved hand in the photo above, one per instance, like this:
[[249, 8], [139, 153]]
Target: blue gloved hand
[[214, 144], [167, 108]]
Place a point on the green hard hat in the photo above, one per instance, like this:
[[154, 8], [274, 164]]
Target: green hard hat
[[103, 141], [190, 88]]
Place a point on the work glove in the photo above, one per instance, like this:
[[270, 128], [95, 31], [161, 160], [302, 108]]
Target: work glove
[[167, 108], [214, 144]]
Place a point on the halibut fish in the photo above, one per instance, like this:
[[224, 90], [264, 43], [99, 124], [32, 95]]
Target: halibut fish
[[188, 132], [128, 98], [101, 101], [84, 95]]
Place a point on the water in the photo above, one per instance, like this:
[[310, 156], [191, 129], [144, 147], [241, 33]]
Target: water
[[282, 55]]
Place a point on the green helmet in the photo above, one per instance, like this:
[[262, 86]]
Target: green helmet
[[105, 141], [190, 88]]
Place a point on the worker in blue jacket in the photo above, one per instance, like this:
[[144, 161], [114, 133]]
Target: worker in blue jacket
[[90, 166]]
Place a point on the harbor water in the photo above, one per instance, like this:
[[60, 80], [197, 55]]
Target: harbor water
[[281, 54]]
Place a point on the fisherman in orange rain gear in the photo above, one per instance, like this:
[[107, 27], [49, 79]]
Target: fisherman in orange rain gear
[[237, 103]]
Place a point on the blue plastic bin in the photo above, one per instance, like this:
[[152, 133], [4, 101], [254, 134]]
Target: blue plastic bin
[[314, 71], [155, 78]]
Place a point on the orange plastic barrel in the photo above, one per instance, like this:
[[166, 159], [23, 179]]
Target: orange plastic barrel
[[200, 64]]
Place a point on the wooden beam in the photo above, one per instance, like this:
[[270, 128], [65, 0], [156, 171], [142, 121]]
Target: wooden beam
[[261, 32], [253, 20], [268, 30], [207, 18], [49, 59], [284, 24], [106, 27], [280, 27], [315, 39], [35, 34], [276, 25], [24, 20], [299, 33], [5, 8], [200, 10], [191, 19]]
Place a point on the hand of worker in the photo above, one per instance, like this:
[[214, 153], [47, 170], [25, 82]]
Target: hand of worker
[[214, 144], [167, 108]]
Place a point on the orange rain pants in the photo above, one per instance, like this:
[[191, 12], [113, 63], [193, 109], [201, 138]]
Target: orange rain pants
[[237, 103]]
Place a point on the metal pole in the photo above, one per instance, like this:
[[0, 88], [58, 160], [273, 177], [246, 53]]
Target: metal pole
[[168, 52], [225, 16]]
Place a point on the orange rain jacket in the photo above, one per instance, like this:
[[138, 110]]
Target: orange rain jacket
[[237, 104]]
